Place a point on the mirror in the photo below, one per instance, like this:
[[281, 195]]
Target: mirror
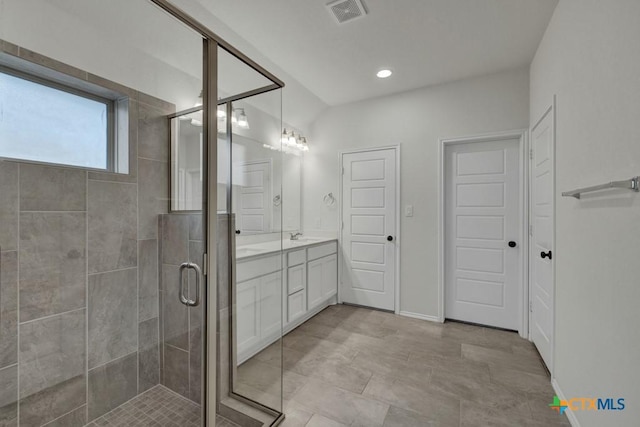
[[265, 202], [186, 162]]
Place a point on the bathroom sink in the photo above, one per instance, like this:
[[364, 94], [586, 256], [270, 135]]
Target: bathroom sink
[[306, 240]]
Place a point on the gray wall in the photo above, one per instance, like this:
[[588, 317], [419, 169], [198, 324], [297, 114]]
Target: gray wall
[[182, 239], [79, 311]]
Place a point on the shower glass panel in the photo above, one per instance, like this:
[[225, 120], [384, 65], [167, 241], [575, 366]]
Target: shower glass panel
[[250, 299], [101, 319]]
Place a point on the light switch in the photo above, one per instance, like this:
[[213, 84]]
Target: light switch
[[408, 210]]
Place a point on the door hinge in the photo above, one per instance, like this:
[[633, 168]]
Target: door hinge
[[531, 153], [205, 266], [531, 306], [530, 230]]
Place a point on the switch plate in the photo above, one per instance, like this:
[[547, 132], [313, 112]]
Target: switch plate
[[408, 210]]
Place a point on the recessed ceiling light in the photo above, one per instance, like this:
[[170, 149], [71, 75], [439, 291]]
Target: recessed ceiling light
[[383, 74]]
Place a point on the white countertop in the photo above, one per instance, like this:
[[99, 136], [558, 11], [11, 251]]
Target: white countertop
[[257, 249]]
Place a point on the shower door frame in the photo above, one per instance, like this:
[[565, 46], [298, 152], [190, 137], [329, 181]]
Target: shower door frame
[[211, 43]]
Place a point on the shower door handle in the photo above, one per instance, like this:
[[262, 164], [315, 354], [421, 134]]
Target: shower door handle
[[183, 299]]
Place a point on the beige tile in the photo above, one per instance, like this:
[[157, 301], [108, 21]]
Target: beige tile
[[45, 188], [541, 413], [9, 207], [472, 415], [113, 317], [112, 384], [52, 351], [8, 394], [398, 417], [295, 415], [341, 405], [8, 308], [491, 395], [434, 406], [52, 263], [319, 347], [321, 421], [393, 369], [503, 359], [455, 365], [343, 375], [426, 344], [113, 232], [522, 382]]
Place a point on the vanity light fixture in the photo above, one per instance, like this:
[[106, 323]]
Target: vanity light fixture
[[383, 74], [243, 122]]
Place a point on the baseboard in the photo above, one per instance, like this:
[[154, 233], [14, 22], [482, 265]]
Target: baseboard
[[435, 319], [571, 416]]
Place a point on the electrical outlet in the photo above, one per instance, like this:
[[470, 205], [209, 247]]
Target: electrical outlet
[[408, 210]]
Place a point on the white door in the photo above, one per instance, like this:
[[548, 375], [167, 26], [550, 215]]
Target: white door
[[541, 253], [483, 228], [253, 182], [369, 228]]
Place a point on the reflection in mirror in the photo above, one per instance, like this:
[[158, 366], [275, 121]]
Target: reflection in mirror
[[186, 162]]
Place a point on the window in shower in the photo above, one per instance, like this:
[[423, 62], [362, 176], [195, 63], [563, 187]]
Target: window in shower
[[44, 121]]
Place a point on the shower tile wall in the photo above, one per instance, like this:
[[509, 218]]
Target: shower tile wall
[[181, 239], [79, 297]]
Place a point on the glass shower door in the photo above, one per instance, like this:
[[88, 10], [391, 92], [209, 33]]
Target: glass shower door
[[92, 326]]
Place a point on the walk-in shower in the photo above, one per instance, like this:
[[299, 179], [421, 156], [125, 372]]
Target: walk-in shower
[[116, 248]]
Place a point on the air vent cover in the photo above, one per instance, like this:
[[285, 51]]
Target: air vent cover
[[346, 10]]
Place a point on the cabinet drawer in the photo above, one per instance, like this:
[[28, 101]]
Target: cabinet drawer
[[296, 257], [322, 250], [257, 267], [296, 306], [296, 278]]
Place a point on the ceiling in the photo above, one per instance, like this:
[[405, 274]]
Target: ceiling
[[425, 42]]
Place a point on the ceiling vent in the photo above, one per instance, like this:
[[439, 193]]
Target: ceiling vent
[[346, 10]]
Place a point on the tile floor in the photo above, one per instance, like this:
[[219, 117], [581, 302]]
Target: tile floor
[[351, 366], [157, 407]]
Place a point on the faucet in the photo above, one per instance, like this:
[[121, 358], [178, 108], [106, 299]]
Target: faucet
[[296, 235]]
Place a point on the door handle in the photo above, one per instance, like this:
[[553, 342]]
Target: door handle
[[238, 231], [512, 244], [390, 238], [183, 299], [545, 254]]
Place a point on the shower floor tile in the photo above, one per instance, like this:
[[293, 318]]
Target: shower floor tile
[[156, 407]]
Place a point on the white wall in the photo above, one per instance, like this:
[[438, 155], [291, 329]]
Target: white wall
[[416, 120], [590, 58]]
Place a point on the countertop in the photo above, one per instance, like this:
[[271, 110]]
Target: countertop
[[257, 249]]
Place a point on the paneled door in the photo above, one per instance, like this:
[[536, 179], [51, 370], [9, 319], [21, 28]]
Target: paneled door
[[541, 253], [369, 204], [483, 231], [253, 181]]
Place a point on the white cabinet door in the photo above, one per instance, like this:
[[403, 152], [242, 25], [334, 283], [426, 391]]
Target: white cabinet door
[[270, 308], [248, 314], [296, 306], [329, 276], [296, 278], [314, 283]]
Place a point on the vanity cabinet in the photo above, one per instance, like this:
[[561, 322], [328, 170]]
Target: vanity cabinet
[[311, 284], [322, 280]]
